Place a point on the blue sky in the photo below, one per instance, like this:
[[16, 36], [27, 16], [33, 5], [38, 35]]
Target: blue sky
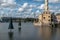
[[26, 8]]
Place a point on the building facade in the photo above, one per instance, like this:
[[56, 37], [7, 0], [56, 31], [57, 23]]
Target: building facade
[[49, 18], [45, 18]]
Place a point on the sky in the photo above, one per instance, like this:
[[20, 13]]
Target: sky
[[26, 8]]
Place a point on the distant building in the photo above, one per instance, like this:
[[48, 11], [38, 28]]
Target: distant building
[[47, 18], [58, 17]]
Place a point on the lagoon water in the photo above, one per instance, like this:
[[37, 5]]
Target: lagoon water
[[28, 32]]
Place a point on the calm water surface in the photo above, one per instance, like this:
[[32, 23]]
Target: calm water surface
[[28, 32]]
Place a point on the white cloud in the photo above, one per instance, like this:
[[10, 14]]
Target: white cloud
[[24, 5], [8, 3], [0, 1], [20, 9], [41, 6], [37, 0], [54, 7], [50, 1], [11, 2], [59, 10], [52, 10], [37, 11], [54, 1], [32, 6], [26, 8], [55, 11]]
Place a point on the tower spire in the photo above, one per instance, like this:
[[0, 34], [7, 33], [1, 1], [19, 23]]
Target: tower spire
[[46, 5]]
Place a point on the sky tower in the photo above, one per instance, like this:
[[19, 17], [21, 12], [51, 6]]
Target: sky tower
[[46, 5]]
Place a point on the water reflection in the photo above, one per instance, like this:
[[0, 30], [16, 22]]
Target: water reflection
[[46, 32], [57, 37], [19, 28], [10, 35]]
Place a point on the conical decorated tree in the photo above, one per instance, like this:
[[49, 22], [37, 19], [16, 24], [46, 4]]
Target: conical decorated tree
[[11, 24]]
